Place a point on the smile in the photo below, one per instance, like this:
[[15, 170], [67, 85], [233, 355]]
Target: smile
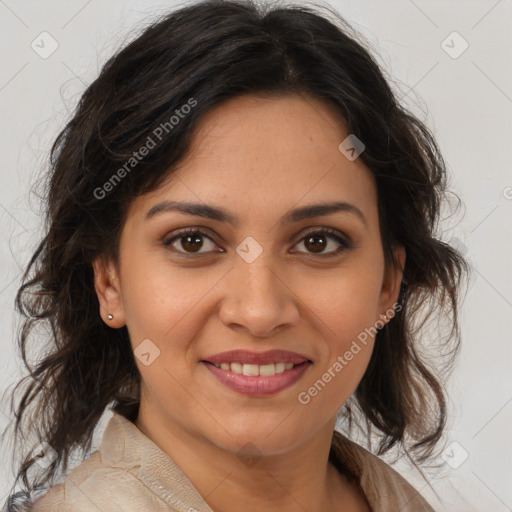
[[257, 380], [255, 369]]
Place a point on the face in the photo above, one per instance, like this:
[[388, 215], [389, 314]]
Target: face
[[312, 284]]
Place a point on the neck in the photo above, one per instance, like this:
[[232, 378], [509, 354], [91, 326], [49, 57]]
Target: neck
[[297, 480]]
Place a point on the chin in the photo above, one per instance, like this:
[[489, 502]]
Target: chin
[[257, 442]]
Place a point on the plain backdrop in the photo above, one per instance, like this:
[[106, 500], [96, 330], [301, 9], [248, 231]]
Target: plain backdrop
[[452, 63]]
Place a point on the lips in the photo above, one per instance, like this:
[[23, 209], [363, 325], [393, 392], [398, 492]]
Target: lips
[[259, 358], [257, 374]]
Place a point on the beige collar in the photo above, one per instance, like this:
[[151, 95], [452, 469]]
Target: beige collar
[[125, 446]]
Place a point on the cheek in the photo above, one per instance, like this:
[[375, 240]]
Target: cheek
[[340, 369], [158, 299], [344, 307], [345, 312]]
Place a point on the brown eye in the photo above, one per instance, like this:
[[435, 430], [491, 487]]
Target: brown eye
[[189, 241], [317, 241]]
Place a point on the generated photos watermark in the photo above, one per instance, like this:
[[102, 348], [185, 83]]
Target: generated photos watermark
[[152, 141], [304, 397]]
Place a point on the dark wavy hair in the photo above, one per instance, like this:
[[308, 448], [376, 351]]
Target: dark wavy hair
[[213, 51]]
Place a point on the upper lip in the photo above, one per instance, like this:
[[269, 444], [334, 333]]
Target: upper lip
[[248, 357]]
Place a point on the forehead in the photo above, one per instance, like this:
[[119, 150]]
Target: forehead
[[266, 156]]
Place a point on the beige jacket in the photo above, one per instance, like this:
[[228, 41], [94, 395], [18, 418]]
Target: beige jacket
[[129, 473]]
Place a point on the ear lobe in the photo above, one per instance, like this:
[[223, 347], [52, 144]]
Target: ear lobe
[[390, 291], [108, 290]]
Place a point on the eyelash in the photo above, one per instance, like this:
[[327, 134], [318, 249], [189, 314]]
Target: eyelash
[[333, 233]]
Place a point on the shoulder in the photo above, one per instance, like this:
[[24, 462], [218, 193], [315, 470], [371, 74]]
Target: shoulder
[[128, 473], [94, 486], [85, 488], [385, 489]]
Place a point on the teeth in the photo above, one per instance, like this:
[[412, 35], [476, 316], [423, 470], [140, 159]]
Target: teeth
[[266, 370], [250, 369], [281, 367], [237, 368]]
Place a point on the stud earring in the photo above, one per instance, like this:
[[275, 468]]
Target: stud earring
[[110, 317]]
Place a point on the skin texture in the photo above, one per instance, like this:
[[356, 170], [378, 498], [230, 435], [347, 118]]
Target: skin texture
[[257, 158]]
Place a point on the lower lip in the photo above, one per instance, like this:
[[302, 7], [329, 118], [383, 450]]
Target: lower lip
[[258, 386]]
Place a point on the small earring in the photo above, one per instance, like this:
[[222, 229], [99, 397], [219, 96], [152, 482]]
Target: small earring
[[110, 317]]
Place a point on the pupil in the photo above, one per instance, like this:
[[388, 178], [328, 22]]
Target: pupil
[[191, 239], [317, 247]]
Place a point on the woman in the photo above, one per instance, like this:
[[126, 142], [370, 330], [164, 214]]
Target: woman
[[240, 237]]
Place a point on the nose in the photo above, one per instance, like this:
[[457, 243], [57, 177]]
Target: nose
[[257, 299]]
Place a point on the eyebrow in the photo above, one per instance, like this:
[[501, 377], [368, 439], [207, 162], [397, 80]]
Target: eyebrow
[[221, 215]]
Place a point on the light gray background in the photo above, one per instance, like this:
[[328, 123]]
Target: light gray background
[[467, 101]]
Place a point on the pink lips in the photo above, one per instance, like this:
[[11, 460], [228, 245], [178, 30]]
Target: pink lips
[[245, 356], [258, 386]]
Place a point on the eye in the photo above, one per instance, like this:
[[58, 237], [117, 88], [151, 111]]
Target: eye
[[190, 240], [317, 240]]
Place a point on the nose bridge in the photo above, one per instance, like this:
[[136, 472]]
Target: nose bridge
[[257, 286], [256, 296], [259, 279]]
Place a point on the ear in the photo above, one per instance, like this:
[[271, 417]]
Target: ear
[[390, 291], [108, 290]]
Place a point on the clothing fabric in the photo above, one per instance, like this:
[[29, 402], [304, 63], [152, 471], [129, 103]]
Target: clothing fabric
[[130, 473]]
